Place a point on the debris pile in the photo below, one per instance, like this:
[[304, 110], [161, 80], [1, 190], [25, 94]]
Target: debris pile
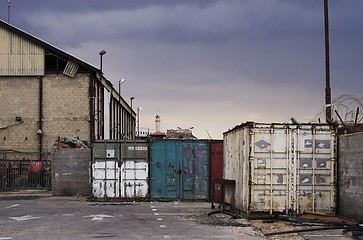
[[70, 143]]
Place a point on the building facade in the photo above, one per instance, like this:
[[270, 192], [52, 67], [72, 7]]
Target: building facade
[[47, 94]]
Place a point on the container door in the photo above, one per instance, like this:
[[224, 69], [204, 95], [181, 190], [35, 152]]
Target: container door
[[269, 169], [195, 170], [315, 185], [216, 170], [135, 170], [105, 170], [179, 169], [165, 169]]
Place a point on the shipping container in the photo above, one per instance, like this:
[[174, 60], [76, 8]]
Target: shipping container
[[281, 167], [120, 169], [179, 169], [216, 170]]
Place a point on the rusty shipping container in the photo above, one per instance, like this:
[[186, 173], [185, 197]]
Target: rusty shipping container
[[281, 167], [216, 169], [179, 169]]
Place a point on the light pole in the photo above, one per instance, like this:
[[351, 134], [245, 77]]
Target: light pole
[[103, 52], [138, 122], [131, 98], [121, 81]]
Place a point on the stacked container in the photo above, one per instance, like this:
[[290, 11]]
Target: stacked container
[[281, 167]]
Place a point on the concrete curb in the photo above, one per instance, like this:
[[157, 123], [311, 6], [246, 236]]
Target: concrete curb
[[25, 194]]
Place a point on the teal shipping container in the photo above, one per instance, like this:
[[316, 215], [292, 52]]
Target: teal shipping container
[[179, 169]]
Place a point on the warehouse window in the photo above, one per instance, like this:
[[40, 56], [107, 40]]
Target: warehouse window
[[54, 63]]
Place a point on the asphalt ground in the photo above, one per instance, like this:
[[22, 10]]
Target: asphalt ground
[[48, 217], [39, 215]]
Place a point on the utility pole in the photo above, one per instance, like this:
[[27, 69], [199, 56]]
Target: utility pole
[[327, 65]]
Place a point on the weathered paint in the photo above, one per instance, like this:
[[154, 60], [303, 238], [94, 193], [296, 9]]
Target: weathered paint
[[350, 174], [179, 169], [70, 172], [120, 169], [216, 169], [281, 167]]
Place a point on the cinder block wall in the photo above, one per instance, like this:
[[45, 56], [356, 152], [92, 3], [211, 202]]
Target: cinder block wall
[[350, 173], [19, 97], [65, 110]]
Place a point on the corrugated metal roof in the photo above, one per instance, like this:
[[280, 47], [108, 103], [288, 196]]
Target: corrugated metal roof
[[71, 69]]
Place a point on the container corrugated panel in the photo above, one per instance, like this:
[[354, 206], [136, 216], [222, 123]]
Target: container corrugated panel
[[281, 167], [120, 169], [19, 56], [216, 169], [179, 169]]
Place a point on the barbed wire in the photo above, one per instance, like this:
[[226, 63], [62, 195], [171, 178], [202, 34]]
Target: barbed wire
[[346, 110]]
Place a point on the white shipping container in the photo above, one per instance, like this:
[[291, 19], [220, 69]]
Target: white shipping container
[[281, 167]]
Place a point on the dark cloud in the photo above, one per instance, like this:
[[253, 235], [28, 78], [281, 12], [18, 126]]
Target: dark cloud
[[216, 63]]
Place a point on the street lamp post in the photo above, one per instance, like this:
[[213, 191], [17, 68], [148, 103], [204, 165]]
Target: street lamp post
[[138, 122], [103, 52], [131, 98], [121, 81]]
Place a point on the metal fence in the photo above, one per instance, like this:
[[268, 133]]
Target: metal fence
[[24, 170]]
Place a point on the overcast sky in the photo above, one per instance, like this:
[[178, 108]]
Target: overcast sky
[[208, 64]]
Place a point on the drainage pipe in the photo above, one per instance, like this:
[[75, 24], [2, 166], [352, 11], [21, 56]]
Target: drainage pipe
[[40, 119]]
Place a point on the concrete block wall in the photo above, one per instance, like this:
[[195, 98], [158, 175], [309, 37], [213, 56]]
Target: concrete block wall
[[19, 98], [350, 176], [65, 110]]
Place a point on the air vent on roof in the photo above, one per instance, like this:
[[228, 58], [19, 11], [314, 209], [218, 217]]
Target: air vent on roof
[[71, 69]]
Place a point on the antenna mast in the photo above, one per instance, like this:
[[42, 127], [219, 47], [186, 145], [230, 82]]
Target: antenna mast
[[327, 65], [8, 11], [208, 134]]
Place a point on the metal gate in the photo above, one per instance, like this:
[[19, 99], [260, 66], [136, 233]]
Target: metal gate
[[120, 169], [24, 170], [179, 169]]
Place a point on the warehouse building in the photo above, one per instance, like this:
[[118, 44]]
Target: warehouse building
[[47, 94]]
